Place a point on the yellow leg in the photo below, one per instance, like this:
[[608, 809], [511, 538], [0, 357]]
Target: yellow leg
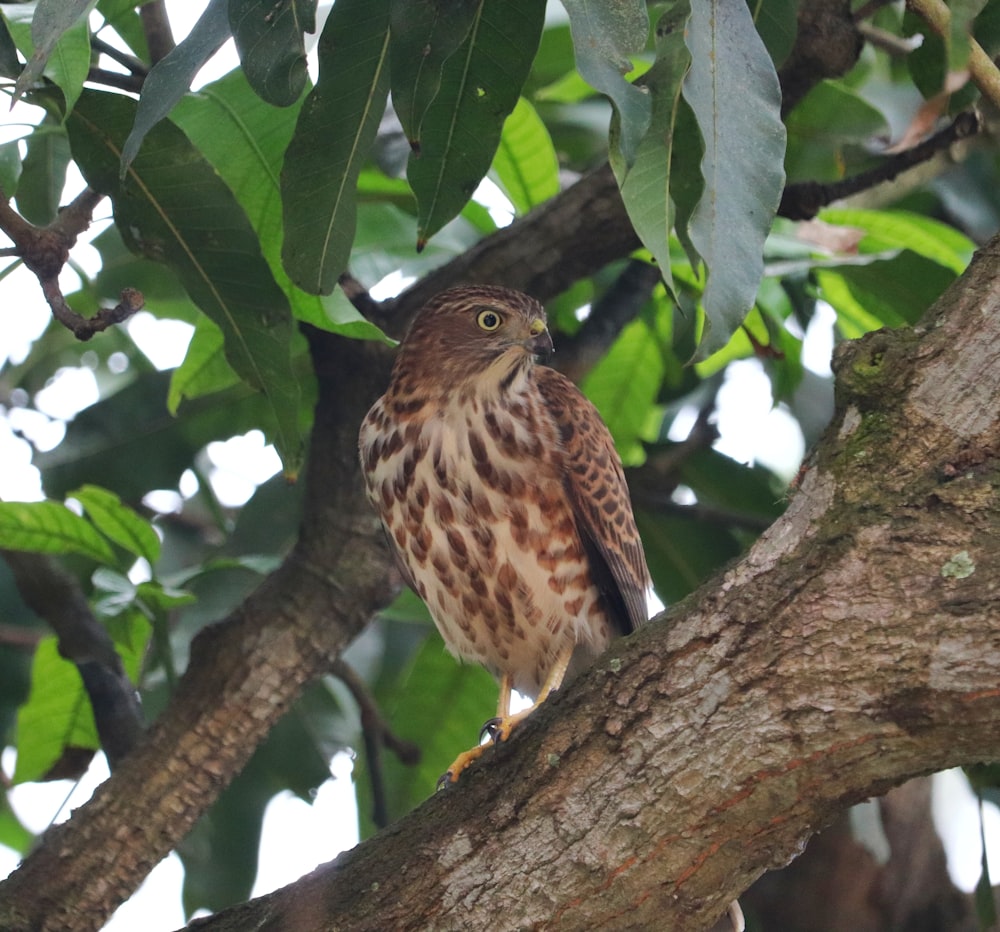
[[500, 728]]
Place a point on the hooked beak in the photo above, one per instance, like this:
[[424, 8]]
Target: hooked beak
[[540, 342]]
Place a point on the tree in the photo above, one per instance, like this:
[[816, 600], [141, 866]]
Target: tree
[[843, 651]]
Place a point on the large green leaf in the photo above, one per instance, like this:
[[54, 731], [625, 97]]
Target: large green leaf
[[171, 205], [50, 527], [733, 90], [56, 716], [119, 522], [440, 705], [526, 163], [270, 39], [422, 36], [645, 185], [60, 47], [204, 369], [245, 140], [335, 131], [462, 126], [170, 78], [604, 36]]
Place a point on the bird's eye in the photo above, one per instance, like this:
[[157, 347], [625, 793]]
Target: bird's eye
[[489, 320]]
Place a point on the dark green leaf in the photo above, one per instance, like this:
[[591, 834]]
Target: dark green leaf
[[333, 137], [604, 36], [245, 139], [50, 527], [10, 167], [645, 186], [776, 23], [43, 173], [270, 39], [172, 206], [56, 716], [423, 35], [10, 64], [462, 126], [55, 34], [119, 522], [170, 78], [733, 90]]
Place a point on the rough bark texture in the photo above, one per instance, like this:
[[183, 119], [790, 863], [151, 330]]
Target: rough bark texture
[[854, 647]]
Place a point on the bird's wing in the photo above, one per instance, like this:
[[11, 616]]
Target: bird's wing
[[600, 498]]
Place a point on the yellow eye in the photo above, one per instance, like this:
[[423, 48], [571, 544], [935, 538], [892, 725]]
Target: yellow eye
[[489, 320]]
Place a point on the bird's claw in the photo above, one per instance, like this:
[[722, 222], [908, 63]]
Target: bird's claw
[[493, 728]]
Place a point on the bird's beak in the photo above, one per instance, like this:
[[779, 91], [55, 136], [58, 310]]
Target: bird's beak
[[539, 343]]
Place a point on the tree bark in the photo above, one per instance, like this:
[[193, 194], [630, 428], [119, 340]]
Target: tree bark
[[855, 646]]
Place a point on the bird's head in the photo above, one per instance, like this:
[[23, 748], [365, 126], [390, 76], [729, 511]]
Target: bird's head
[[480, 333]]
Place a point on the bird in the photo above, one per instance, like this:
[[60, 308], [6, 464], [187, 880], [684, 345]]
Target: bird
[[503, 498]]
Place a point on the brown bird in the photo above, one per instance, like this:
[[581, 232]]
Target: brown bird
[[503, 497]]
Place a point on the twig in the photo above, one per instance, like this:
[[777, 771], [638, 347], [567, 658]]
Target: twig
[[18, 637], [982, 69], [127, 82], [358, 295], [52, 594], [376, 735], [804, 200], [156, 25], [135, 65], [83, 328]]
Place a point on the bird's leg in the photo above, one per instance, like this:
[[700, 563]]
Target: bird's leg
[[499, 728]]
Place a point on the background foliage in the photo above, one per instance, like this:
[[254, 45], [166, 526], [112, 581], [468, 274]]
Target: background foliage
[[268, 201]]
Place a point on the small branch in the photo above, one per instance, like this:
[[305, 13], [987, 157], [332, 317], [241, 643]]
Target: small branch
[[376, 734], [156, 25], [52, 594], [984, 72], [126, 82], [20, 638], [134, 65], [804, 200], [84, 328], [358, 295]]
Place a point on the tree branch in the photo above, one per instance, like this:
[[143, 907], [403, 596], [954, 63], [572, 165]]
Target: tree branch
[[706, 748]]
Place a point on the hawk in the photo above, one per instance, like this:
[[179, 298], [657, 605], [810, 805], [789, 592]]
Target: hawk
[[503, 497]]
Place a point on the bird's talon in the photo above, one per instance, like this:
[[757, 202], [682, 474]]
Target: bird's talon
[[493, 729], [444, 781]]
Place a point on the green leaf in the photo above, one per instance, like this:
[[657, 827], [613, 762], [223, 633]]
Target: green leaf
[[526, 163], [124, 18], [440, 705], [172, 206], [60, 47], [462, 126], [897, 229], [204, 369], [10, 64], [335, 131], [43, 173], [50, 527], [733, 90], [56, 716], [10, 167], [245, 140], [170, 78], [776, 23], [624, 384], [119, 522], [270, 39], [422, 36], [13, 834], [645, 186], [604, 36]]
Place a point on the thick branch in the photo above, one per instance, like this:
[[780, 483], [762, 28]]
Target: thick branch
[[854, 647]]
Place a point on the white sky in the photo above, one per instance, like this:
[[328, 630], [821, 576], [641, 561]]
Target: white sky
[[297, 836]]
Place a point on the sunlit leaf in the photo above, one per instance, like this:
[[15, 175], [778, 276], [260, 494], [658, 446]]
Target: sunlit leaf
[[172, 206], [56, 716], [118, 522], [50, 527], [270, 39], [462, 126], [526, 162], [204, 369], [604, 36], [170, 78], [422, 36], [733, 90], [60, 47]]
